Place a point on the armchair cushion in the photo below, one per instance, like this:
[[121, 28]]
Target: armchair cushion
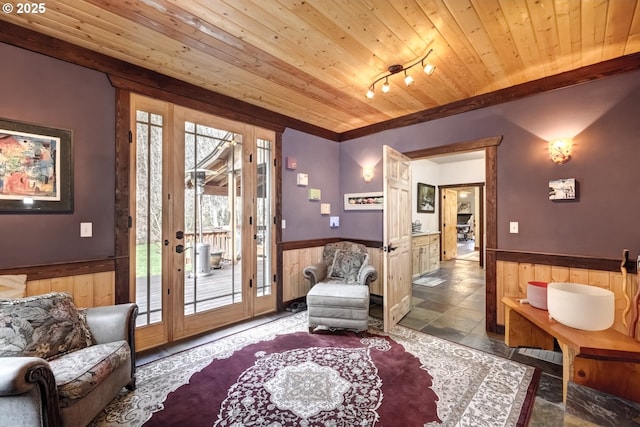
[[347, 264], [42, 326], [79, 372]]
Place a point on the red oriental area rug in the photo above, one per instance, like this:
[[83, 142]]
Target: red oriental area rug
[[279, 375]]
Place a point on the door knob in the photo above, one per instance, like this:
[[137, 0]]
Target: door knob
[[179, 249]]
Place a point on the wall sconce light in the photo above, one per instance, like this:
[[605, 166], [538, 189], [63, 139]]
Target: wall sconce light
[[367, 173], [397, 68], [560, 150]]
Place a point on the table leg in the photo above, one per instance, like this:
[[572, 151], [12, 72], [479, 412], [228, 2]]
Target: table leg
[[568, 356]]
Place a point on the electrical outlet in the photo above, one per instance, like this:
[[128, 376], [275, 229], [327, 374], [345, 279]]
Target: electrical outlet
[[284, 224], [513, 227]]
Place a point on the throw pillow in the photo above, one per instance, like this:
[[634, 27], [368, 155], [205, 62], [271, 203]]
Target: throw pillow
[[346, 265], [42, 326]]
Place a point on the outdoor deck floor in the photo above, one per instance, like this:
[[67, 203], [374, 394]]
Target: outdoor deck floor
[[212, 291]]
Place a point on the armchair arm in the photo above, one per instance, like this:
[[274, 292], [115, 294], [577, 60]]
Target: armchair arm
[[13, 374], [367, 275], [315, 273], [114, 323], [26, 379]]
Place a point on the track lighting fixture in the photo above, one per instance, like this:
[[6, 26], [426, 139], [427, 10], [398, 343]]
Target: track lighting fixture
[[395, 69]]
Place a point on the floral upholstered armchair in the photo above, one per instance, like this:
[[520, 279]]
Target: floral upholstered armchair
[[339, 294], [60, 366], [342, 262]]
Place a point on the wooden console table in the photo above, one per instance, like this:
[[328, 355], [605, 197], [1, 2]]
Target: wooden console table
[[608, 360]]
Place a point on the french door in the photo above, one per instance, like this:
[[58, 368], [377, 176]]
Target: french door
[[202, 251]]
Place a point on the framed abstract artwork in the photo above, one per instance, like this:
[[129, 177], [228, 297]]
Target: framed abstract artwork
[[36, 168]]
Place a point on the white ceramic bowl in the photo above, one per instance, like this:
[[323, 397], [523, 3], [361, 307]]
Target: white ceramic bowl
[[537, 294], [581, 306]]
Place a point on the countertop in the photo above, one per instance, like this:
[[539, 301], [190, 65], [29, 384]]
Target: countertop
[[424, 233]]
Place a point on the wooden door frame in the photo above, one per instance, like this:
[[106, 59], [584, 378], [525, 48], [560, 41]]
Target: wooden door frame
[[480, 222], [490, 147], [124, 122]]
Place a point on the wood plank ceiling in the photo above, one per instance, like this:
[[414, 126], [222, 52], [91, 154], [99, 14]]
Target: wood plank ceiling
[[314, 60]]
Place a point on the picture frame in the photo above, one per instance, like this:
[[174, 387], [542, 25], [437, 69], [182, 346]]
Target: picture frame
[[563, 189], [314, 194], [464, 207], [426, 198], [302, 179], [364, 201], [36, 168]]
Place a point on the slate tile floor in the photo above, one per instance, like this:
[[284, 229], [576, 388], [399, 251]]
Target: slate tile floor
[[455, 310]]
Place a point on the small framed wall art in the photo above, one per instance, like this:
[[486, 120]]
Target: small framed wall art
[[314, 194], [303, 179], [292, 163], [426, 198], [562, 189], [363, 201]]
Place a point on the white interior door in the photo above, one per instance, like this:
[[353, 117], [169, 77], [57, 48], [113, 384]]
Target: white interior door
[[397, 236]]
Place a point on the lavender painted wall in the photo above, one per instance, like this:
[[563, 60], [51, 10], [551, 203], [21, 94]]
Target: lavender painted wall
[[41, 90], [601, 116], [318, 158]]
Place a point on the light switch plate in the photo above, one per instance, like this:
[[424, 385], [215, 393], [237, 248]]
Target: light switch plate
[[86, 229], [513, 227]]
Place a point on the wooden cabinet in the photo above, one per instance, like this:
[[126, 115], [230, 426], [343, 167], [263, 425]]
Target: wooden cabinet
[[425, 253]]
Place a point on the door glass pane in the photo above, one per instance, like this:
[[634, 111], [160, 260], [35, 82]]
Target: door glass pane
[[213, 179], [264, 217], [148, 217]]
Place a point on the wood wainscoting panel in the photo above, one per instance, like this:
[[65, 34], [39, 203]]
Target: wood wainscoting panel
[[512, 278], [294, 261], [376, 260], [88, 290]]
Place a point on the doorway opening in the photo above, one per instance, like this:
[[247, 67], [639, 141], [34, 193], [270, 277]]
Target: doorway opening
[[467, 213], [489, 148]]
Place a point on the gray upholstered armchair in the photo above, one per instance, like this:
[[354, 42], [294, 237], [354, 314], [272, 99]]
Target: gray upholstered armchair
[[339, 294], [62, 372]]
